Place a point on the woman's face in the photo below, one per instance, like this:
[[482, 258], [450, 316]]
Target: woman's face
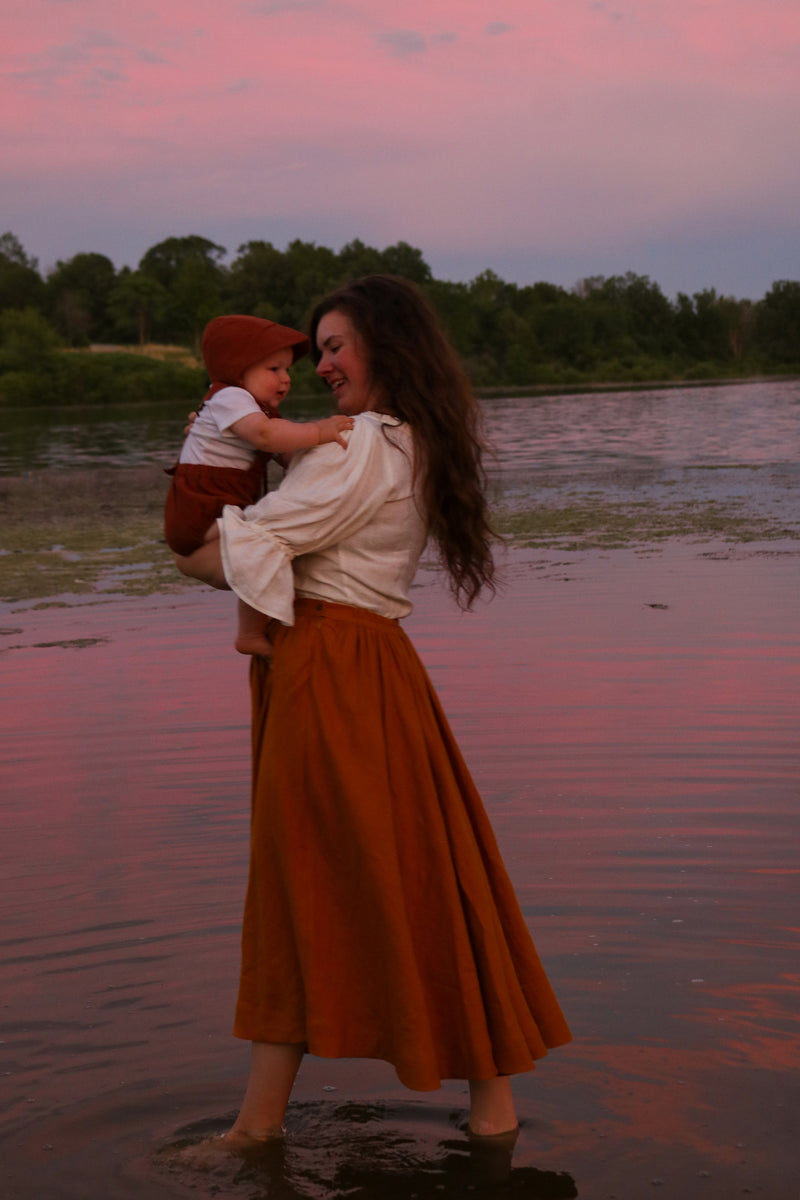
[[343, 364]]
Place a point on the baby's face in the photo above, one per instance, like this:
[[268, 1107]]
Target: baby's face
[[268, 381]]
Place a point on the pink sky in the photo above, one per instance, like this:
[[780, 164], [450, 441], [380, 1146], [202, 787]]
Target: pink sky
[[545, 139]]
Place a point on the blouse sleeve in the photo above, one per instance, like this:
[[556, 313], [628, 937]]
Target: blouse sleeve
[[327, 494]]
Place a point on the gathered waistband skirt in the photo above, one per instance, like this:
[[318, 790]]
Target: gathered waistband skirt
[[379, 920]]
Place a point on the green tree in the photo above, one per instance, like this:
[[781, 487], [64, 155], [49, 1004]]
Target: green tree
[[281, 285], [777, 323], [356, 259], [455, 309], [78, 292], [136, 304], [407, 261], [27, 340], [285, 285], [259, 278], [11, 248], [190, 270], [501, 337], [686, 326], [29, 358], [196, 297], [739, 322], [21, 285], [630, 315], [166, 259], [313, 270], [713, 328], [537, 294], [565, 330]]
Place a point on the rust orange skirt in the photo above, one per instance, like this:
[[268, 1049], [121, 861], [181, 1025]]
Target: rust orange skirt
[[379, 921]]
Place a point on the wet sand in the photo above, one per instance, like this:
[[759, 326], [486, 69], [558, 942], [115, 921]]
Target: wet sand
[[630, 717]]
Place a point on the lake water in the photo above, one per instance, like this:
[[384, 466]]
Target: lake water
[[631, 717]]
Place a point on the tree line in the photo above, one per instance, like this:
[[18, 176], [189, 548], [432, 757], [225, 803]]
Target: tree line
[[618, 328]]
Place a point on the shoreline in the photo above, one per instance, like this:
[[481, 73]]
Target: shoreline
[[646, 385], [510, 391]]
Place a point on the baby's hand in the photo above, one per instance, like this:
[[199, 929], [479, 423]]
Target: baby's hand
[[331, 428]]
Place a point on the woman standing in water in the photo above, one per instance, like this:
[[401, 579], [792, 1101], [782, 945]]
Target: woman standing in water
[[379, 920]]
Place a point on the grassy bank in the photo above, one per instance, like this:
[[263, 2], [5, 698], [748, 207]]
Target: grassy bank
[[586, 387], [71, 377], [108, 376]]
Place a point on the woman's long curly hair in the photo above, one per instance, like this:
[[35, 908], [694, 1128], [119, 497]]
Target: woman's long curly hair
[[420, 380]]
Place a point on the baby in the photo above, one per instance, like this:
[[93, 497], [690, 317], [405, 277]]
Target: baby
[[237, 429]]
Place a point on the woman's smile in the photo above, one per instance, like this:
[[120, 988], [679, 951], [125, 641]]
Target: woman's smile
[[343, 364]]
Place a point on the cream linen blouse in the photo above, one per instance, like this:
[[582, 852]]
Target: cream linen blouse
[[344, 525]]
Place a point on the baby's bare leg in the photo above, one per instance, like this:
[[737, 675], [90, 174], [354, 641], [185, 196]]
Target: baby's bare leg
[[205, 564], [251, 637]]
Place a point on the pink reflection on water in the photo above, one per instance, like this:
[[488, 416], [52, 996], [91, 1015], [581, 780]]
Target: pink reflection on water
[[653, 1100], [640, 767]]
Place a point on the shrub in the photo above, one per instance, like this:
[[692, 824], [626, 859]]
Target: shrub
[[101, 379]]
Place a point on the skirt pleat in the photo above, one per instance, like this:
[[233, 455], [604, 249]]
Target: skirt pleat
[[379, 921]]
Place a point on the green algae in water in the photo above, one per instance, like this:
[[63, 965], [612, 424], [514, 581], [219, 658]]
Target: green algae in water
[[85, 531], [98, 531], [608, 525]]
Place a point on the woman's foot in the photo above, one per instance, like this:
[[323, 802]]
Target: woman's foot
[[239, 1141], [209, 1152]]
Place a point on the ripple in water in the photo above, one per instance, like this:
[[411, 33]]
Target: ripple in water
[[358, 1150]]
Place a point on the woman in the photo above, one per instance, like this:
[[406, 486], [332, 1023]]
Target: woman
[[379, 920]]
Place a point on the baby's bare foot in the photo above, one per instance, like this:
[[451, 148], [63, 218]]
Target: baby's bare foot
[[253, 643]]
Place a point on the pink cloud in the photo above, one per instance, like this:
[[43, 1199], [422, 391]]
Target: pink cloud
[[567, 123]]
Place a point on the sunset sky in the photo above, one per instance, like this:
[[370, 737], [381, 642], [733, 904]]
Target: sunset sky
[[544, 139]]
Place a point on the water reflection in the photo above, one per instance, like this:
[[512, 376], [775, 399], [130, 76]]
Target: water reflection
[[748, 423], [359, 1150], [754, 423], [631, 722]]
